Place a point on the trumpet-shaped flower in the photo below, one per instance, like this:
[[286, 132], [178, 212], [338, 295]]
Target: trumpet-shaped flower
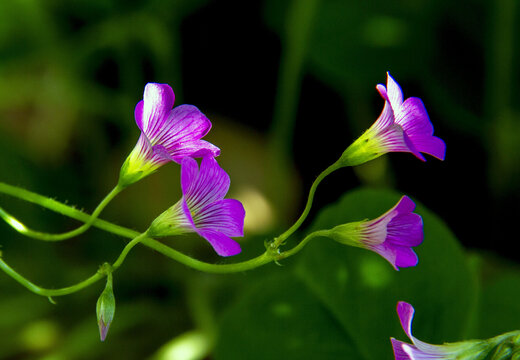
[[167, 133], [502, 347], [392, 235], [203, 209], [403, 126]]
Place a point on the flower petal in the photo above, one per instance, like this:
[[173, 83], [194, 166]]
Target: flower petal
[[138, 114], [160, 154], [223, 245], [404, 205], [386, 118], [414, 119], [411, 147], [415, 353], [404, 256], [196, 149], [398, 256], [189, 173], [225, 216], [211, 184], [399, 353], [157, 102], [405, 230], [394, 91], [393, 139], [405, 311], [183, 124], [431, 145], [390, 135]]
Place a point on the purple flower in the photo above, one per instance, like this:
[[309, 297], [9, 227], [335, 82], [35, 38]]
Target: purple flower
[[166, 134], [419, 350], [403, 126], [392, 235], [203, 208]]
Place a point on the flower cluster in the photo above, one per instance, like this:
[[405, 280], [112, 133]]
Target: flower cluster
[[403, 126], [174, 134]]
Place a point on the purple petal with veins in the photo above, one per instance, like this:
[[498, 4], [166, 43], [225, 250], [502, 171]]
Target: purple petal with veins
[[172, 133], [214, 218], [420, 350], [393, 234], [411, 115]]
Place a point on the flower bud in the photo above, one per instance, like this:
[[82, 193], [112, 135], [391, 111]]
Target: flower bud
[[105, 308]]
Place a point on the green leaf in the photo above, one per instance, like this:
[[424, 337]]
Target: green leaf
[[278, 318], [362, 290], [499, 304], [335, 301]]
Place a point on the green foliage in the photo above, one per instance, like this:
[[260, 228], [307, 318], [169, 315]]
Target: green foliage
[[353, 42], [499, 304], [280, 318], [354, 292]]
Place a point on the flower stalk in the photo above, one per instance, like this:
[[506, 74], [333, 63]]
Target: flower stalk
[[278, 241], [38, 235], [51, 204]]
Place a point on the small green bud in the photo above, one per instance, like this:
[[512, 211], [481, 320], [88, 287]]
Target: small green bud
[[105, 308]]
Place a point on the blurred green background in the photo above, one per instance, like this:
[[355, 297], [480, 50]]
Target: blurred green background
[[287, 85]]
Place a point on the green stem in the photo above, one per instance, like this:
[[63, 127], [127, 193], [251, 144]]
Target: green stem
[[127, 249], [128, 233], [302, 244], [207, 267], [11, 190], [280, 239], [60, 208], [49, 292], [167, 251], [101, 273]]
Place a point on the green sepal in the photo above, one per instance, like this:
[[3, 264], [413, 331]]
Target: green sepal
[[347, 234], [171, 222], [127, 176], [364, 149]]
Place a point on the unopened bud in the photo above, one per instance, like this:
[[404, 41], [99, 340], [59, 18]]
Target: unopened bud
[[105, 308]]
